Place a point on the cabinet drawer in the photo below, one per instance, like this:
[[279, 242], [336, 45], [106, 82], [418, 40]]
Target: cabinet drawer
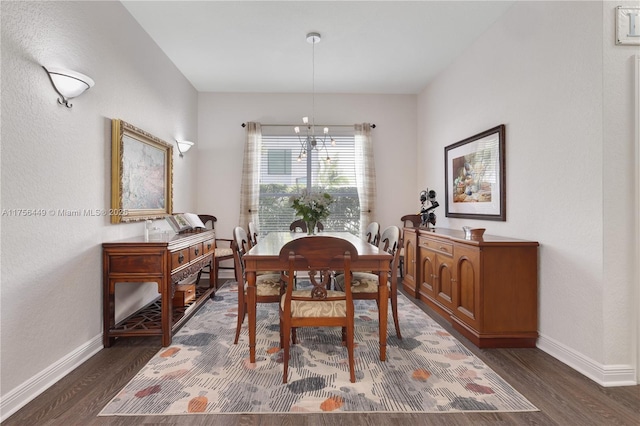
[[435, 245], [208, 246], [195, 251], [179, 258]]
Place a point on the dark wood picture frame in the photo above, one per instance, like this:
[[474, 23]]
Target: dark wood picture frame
[[474, 171], [141, 174]]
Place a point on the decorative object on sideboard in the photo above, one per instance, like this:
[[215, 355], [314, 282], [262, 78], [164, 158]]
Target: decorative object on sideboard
[[310, 141], [68, 84], [473, 233], [426, 213], [184, 146], [474, 171]]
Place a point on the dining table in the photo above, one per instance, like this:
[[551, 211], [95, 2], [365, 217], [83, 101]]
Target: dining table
[[264, 256]]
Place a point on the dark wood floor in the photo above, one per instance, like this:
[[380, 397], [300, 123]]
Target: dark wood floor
[[563, 396]]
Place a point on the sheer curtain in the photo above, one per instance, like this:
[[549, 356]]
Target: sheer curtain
[[250, 187], [365, 174]]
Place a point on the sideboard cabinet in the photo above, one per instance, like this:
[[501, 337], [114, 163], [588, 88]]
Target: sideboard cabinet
[[166, 263], [487, 288], [409, 252]]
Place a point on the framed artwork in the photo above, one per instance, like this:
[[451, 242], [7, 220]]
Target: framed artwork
[[475, 176], [628, 25], [141, 174]]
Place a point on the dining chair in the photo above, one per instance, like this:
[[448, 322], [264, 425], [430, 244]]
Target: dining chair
[[301, 226], [372, 234], [222, 252], [364, 285], [269, 287], [253, 233], [317, 306], [408, 221]]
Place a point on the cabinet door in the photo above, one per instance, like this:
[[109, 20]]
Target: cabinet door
[[467, 295], [427, 273], [444, 281], [409, 266]]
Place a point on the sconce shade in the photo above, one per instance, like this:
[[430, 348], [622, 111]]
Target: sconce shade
[[68, 84], [184, 146]]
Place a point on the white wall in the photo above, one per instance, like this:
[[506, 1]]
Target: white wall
[[550, 72], [221, 145], [59, 158]]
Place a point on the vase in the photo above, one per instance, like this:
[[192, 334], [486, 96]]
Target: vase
[[311, 226]]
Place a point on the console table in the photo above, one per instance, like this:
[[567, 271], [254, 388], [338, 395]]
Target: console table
[[165, 262]]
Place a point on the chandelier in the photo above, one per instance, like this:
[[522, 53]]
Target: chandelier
[[310, 142]]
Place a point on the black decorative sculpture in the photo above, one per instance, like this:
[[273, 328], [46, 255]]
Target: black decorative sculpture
[[428, 216]]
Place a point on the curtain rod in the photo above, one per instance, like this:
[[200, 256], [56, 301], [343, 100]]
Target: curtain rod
[[373, 126]]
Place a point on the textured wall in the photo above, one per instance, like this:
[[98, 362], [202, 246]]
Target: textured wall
[[59, 158], [222, 144], [564, 92]]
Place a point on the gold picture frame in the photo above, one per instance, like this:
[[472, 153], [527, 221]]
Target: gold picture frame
[[141, 174]]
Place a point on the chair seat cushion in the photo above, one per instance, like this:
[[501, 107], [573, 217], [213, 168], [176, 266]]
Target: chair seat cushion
[[316, 309], [223, 252], [361, 282], [267, 285]]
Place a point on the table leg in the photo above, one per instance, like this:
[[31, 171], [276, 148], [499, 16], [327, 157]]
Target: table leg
[[383, 294], [251, 312], [166, 306]]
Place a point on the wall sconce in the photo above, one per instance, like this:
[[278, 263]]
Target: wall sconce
[[184, 146], [68, 84]]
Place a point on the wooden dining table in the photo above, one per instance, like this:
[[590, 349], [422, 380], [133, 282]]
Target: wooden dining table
[[264, 256]]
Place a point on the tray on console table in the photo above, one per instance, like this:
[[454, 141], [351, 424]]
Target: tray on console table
[[165, 262], [486, 287]]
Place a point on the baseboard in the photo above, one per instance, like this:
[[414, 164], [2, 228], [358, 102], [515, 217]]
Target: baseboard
[[604, 375], [26, 392]]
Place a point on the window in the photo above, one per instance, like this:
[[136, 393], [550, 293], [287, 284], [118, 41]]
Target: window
[[282, 176]]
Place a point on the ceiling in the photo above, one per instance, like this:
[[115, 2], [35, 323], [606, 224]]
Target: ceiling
[[374, 47]]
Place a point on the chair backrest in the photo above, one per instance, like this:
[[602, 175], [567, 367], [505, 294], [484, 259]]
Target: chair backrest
[[411, 220], [391, 242], [253, 233], [208, 220], [301, 226], [240, 245], [372, 234], [319, 255]]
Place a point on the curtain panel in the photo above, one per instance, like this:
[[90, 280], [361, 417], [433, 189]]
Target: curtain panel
[[250, 187], [365, 174]]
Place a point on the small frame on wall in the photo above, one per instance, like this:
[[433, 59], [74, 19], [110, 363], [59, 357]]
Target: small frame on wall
[[141, 174], [628, 25], [475, 176]]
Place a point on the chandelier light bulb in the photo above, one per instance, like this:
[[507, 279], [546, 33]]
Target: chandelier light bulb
[[305, 120], [326, 130], [296, 129]]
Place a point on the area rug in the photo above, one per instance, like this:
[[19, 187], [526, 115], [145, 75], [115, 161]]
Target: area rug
[[427, 371]]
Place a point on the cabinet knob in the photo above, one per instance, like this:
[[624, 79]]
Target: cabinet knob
[[197, 251], [180, 258]]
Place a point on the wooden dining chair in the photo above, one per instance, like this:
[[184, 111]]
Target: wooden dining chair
[[222, 252], [317, 306], [364, 285], [372, 234], [301, 226], [408, 221], [253, 233], [269, 287]]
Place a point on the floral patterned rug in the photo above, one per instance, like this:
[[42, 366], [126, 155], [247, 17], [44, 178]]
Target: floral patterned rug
[[204, 372]]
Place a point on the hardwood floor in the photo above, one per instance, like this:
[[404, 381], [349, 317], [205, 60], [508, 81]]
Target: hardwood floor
[[564, 396]]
